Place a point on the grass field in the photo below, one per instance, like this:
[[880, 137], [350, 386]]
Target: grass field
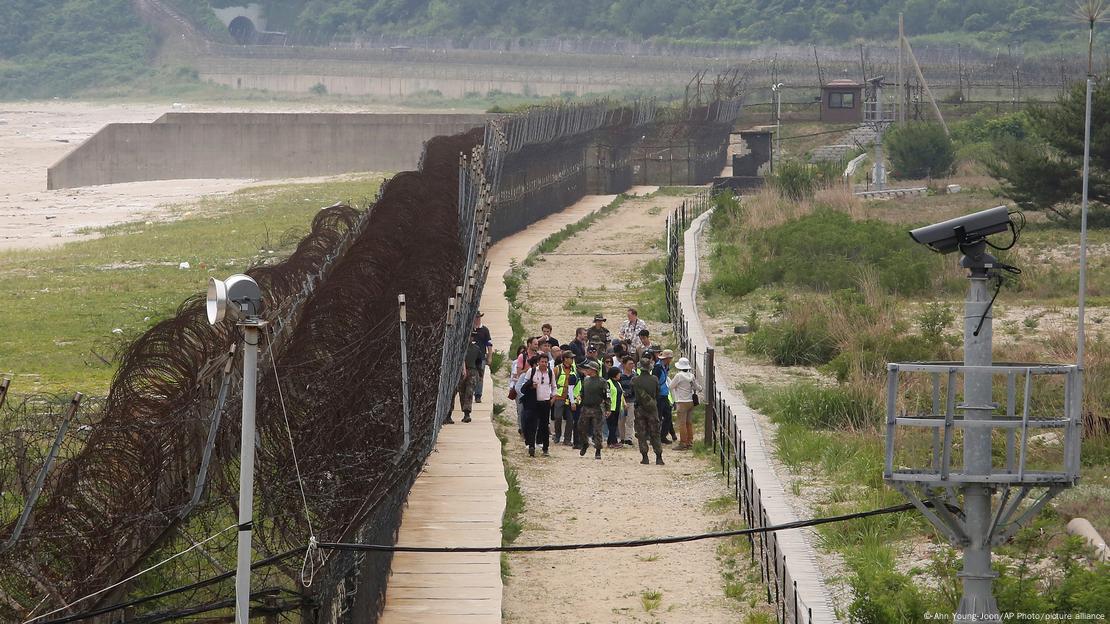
[[829, 307], [69, 310]]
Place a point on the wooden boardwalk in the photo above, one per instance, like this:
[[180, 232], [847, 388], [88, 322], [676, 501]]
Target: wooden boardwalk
[[459, 498]]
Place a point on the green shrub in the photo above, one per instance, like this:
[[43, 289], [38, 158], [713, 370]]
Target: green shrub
[[871, 352], [826, 250], [787, 344], [934, 319], [822, 407], [495, 361], [920, 150], [885, 596], [794, 180], [985, 127], [318, 89]]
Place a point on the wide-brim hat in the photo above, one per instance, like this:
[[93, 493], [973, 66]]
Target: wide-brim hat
[[589, 365], [600, 318], [666, 354], [683, 364]]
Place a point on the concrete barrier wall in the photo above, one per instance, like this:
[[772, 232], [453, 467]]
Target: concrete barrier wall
[[253, 145]]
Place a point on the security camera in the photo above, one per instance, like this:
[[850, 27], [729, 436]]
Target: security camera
[[952, 235], [237, 296]]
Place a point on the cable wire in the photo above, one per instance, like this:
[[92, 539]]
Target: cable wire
[[261, 563], [309, 565], [132, 577], [491, 549], [677, 539]]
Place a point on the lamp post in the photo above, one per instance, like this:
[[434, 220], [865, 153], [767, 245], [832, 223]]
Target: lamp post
[[239, 298], [1091, 12], [776, 89]]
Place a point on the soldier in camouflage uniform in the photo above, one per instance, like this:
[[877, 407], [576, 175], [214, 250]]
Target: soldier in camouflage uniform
[[595, 404], [646, 387], [598, 336], [471, 376]]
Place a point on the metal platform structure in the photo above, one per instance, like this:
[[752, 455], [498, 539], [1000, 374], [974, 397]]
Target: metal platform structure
[[1007, 429]]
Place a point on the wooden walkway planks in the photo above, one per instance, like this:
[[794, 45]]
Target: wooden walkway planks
[[459, 497]]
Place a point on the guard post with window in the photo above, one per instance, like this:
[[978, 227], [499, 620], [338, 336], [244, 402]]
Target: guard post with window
[[841, 101]]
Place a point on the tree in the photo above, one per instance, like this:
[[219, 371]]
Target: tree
[[920, 150], [1045, 171]]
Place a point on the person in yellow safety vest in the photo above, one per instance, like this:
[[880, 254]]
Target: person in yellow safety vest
[[563, 403], [616, 406]]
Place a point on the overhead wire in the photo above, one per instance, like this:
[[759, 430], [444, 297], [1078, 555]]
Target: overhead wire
[[310, 563], [677, 539], [132, 577]]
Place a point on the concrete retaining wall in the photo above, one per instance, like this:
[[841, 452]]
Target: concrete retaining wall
[[253, 145]]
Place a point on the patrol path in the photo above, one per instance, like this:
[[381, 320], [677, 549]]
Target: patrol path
[[459, 497], [569, 498]]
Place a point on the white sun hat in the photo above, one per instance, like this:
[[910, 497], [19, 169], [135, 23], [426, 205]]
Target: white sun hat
[[682, 364]]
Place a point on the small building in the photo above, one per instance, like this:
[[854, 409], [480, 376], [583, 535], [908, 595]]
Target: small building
[[842, 101]]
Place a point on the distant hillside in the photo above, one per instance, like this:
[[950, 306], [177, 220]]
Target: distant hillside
[[56, 47], [59, 47], [982, 23]]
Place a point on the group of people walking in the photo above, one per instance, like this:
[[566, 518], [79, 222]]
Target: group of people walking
[[598, 388]]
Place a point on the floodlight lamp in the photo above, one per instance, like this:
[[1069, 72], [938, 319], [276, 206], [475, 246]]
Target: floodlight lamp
[[237, 296]]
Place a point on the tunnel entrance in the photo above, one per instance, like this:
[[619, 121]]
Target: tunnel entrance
[[242, 30]]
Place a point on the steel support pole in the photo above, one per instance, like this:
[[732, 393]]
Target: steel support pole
[[405, 389], [1081, 342], [710, 392], [977, 603], [251, 335], [878, 174]]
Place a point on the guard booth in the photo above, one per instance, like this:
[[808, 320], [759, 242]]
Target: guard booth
[[842, 101]]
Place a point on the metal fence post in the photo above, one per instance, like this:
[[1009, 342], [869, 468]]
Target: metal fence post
[[710, 391], [405, 390]]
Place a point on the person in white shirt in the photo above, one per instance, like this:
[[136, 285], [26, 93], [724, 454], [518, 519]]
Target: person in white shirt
[[536, 388], [631, 328], [683, 386]]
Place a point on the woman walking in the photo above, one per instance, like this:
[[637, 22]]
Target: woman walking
[[684, 387]]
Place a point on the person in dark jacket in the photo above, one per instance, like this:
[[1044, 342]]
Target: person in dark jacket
[[536, 388]]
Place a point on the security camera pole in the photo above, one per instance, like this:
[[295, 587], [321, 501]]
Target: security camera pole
[[1025, 489], [978, 598]]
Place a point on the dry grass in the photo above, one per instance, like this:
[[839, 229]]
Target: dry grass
[[767, 209]]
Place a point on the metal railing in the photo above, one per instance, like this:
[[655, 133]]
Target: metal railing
[[724, 436]]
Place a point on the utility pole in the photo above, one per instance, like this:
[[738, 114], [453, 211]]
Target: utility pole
[[901, 105], [405, 388], [1093, 12]]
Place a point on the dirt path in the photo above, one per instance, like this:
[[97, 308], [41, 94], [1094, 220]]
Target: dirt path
[[578, 499]]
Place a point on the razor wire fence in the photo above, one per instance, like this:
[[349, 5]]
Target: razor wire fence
[[150, 469]]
